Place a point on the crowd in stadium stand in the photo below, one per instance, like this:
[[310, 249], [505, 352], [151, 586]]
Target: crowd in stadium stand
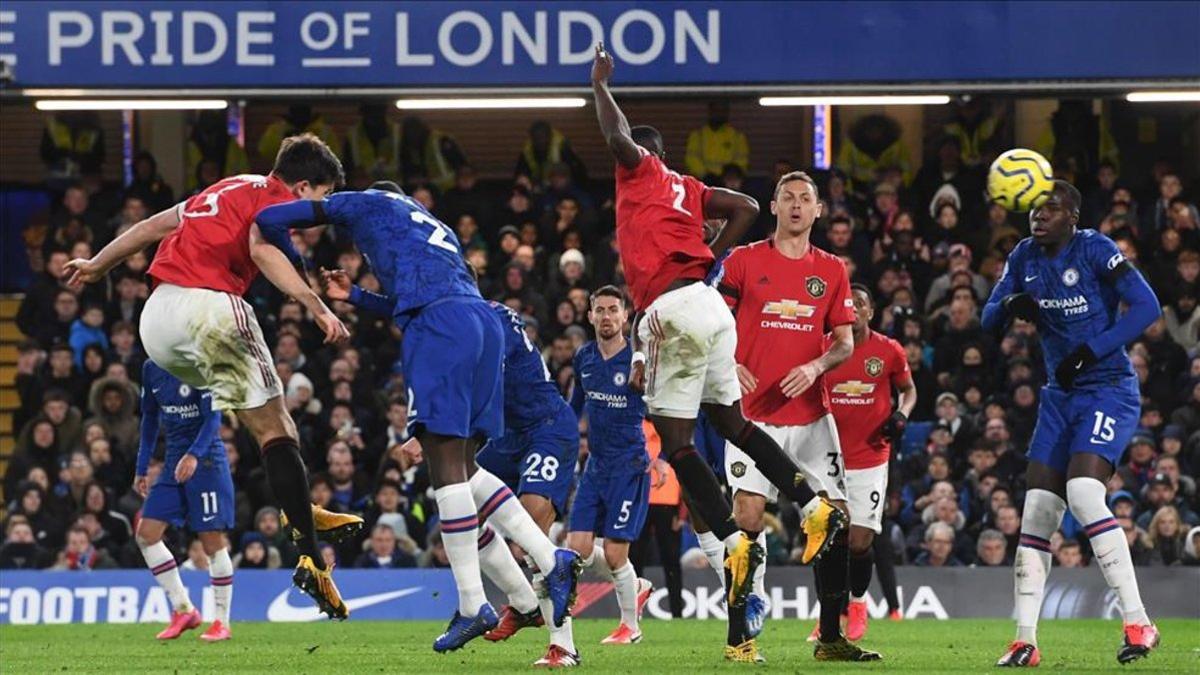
[[924, 239]]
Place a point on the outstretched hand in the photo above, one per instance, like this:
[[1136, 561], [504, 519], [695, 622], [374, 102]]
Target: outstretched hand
[[336, 284]]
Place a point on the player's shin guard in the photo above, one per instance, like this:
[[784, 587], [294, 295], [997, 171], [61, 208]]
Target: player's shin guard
[[831, 572], [220, 574], [289, 483], [166, 573], [860, 573], [714, 551], [1043, 514], [774, 463], [496, 561], [706, 494], [1087, 499], [460, 532], [625, 583], [500, 507]]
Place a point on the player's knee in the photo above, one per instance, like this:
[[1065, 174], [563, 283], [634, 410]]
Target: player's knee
[[748, 510], [861, 541], [1085, 496], [616, 554], [146, 539]]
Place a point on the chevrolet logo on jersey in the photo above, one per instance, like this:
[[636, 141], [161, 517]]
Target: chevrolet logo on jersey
[[789, 309], [854, 388]]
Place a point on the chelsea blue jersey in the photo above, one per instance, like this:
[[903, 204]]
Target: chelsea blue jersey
[[417, 258], [616, 443], [185, 414], [530, 396], [1077, 300]]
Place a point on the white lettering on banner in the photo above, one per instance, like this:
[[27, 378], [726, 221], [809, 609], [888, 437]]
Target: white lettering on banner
[[8, 37], [25, 606], [155, 609], [657, 37], [122, 604], [700, 603], [447, 46], [355, 24], [193, 19], [798, 604], [403, 56], [247, 36], [925, 601], [57, 605], [306, 31], [536, 45], [567, 19], [91, 602], [686, 28], [57, 41], [162, 41], [111, 37]]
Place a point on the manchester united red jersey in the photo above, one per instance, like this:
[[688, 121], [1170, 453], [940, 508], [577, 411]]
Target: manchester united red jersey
[[660, 228], [211, 247], [860, 394], [784, 306]]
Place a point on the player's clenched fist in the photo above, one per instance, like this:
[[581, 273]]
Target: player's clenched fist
[[336, 284], [637, 377]]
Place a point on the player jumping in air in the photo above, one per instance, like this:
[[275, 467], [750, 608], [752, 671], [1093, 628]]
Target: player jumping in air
[[614, 491], [785, 294], [452, 356], [197, 327], [1069, 283], [691, 340], [860, 398], [195, 487]]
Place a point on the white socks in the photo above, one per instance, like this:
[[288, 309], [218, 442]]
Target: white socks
[[166, 573], [596, 563], [498, 564], [562, 636], [1087, 499], [625, 581], [460, 532], [1043, 514], [714, 550], [503, 511], [220, 573]]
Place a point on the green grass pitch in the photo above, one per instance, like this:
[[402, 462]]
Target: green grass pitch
[[927, 646]]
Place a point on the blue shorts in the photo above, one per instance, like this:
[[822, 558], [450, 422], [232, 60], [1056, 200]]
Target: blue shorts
[[1095, 421], [453, 361], [710, 445], [613, 506], [204, 502], [538, 460]]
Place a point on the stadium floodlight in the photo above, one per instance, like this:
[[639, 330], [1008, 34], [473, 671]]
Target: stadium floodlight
[[489, 103], [131, 104], [1162, 96], [899, 99]]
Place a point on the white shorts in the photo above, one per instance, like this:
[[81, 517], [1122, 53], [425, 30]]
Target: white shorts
[[866, 494], [210, 340], [814, 447], [691, 338]]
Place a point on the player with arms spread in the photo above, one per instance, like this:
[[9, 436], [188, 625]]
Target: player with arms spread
[[452, 356], [860, 398], [195, 487], [197, 327], [614, 491], [1070, 283], [785, 294], [691, 337]]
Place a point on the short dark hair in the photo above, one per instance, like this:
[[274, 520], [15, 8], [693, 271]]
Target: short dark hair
[[1071, 192], [648, 137], [609, 291], [306, 157], [795, 176], [863, 288], [387, 186]]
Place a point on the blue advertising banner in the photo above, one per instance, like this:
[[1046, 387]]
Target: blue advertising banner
[[270, 44], [132, 596]]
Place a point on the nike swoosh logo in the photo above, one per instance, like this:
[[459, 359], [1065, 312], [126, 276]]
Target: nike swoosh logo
[[207, 518], [585, 374], [281, 609], [155, 391], [1028, 279]]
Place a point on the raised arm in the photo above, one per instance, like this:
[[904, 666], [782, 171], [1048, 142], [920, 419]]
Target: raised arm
[[276, 222], [613, 124], [738, 210], [149, 231]]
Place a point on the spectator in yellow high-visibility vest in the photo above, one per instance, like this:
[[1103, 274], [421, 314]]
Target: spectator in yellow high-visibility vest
[[428, 155], [716, 144], [210, 141], [873, 144], [372, 149], [299, 119], [545, 147]]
